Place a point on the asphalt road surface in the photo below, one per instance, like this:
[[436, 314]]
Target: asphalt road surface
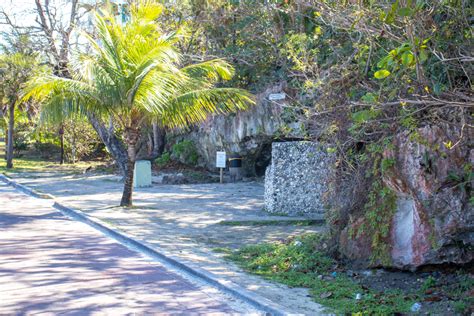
[[50, 264]]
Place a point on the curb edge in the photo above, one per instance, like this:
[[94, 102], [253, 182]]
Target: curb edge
[[227, 287]]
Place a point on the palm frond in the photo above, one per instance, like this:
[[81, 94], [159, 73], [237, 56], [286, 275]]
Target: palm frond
[[134, 71], [195, 106], [213, 70]]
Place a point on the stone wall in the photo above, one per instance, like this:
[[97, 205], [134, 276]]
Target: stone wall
[[296, 179]]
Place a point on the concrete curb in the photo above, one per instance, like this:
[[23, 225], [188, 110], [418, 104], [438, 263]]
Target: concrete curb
[[228, 287], [25, 189]]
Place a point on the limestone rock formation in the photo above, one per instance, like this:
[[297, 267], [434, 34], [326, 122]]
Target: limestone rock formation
[[296, 180], [434, 218], [248, 133]]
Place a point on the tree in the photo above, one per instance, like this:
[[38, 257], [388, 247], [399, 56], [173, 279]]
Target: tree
[[51, 33], [16, 69], [135, 75]]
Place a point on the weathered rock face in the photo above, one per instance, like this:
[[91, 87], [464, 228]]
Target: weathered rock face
[[296, 179], [248, 133], [434, 220]]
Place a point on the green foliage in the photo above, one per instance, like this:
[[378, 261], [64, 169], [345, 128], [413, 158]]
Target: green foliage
[[379, 210], [163, 160], [136, 73], [365, 115], [379, 202], [386, 164], [185, 152], [299, 263], [429, 283], [80, 139], [381, 74], [298, 255]]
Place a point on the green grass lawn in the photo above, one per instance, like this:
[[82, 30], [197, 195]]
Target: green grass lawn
[[30, 162]]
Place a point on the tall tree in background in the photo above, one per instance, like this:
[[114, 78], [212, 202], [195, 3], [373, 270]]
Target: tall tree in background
[[52, 34], [135, 75], [16, 68]]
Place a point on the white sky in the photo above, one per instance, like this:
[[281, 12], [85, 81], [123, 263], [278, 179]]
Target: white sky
[[23, 13], [20, 11]]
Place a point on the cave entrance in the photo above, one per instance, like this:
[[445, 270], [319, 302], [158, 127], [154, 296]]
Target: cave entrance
[[263, 158]]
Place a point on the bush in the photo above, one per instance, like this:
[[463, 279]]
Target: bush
[[163, 160], [185, 152]]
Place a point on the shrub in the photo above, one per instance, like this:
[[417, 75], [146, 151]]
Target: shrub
[[163, 160], [185, 152]]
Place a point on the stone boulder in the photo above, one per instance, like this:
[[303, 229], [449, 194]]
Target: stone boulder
[[296, 179], [434, 219]]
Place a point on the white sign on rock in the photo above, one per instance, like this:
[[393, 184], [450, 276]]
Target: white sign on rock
[[220, 159], [276, 96]]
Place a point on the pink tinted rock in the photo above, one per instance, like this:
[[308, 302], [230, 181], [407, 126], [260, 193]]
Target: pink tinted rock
[[434, 220], [433, 223]]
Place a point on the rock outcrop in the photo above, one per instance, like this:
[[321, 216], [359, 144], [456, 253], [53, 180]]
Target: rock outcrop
[[296, 180], [434, 218], [248, 133]]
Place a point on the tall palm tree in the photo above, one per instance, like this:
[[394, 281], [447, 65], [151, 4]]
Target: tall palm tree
[[135, 74]]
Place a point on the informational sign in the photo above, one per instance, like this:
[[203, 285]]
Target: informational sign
[[276, 96], [220, 159]]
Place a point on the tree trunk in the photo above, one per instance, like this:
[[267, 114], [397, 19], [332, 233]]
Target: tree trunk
[[114, 146], [132, 139], [6, 145], [127, 199], [11, 127], [61, 141]]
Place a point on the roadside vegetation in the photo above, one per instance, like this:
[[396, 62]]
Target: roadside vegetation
[[29, 162], [303, 262]]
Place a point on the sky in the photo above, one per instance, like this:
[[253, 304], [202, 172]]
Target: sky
[[18, 10], [22, 11]]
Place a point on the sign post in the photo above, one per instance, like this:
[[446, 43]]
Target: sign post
[[220, 163]]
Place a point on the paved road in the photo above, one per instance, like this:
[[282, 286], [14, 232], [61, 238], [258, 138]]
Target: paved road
[[183, 220], [52, 265]]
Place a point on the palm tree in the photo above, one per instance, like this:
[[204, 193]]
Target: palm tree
[[135, 74]]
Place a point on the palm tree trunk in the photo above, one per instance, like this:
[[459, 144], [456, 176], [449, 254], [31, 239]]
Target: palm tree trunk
[[11, 126], [127, 199], [131, 137]]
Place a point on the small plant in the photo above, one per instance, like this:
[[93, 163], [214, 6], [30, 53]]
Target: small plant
[[163, 160], [429, 283], [298, 262], [185, 152]]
